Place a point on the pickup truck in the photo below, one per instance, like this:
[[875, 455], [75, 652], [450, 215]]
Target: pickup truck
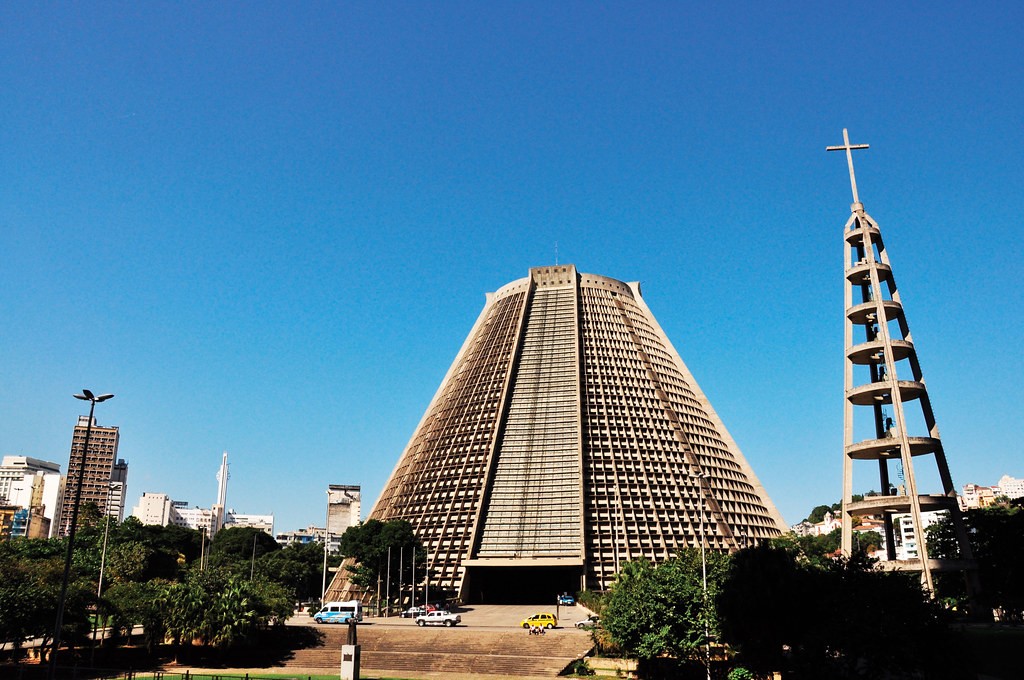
[[438, 618]]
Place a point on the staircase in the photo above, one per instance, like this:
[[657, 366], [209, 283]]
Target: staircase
[[414, 652]]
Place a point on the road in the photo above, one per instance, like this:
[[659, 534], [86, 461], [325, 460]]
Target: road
[[479, 616]]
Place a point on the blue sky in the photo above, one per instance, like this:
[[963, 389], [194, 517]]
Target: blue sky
[[269, 227]]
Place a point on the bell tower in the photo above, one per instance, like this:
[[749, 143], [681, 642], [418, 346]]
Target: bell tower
[[888, 419]]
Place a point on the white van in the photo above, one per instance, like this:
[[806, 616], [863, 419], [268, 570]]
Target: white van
[[340, 612]]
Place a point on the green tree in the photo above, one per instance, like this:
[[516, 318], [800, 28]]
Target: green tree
[[819, 511], [31, 571], [995, 537], [867, 541], [368, 544], [836, 619], [817, 550], [28, 596], [764, 584], [127, 561], [299, 567], [237, 548], [171, 547], [818, 514], [221, 609], [656, 610], [132, 603]]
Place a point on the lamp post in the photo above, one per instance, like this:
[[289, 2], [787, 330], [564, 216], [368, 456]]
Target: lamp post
[[202, 548], [387, 586], [327, 544], [99, 586], [88, 396], [252, 568], [704, 571]]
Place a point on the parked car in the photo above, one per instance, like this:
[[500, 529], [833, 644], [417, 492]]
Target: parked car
[[566, 600], [589, 622], [413, 612], [438, 618], [545, 620]]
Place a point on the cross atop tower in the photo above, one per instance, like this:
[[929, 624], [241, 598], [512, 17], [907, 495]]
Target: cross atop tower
[[849, 159]]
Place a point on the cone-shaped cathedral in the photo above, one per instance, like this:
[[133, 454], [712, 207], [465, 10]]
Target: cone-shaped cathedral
[[567, 438]]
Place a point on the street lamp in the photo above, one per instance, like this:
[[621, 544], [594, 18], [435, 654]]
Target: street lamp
[[88, 396], [103, 562], [701, 477], [327, 545]]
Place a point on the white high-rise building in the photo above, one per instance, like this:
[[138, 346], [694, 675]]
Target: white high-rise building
[[35, 485], [1011, 487]]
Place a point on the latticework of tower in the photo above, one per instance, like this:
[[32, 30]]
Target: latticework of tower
[[568, 434], [883, 372]]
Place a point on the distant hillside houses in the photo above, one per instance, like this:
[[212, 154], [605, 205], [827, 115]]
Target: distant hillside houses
[[903, 531], [823, 528], [977, 496], [973, 496]]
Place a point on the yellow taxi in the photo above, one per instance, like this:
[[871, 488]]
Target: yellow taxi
[[540, 621]]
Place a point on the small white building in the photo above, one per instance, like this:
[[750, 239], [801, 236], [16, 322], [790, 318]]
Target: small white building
[[237, 519], [160, 509], [153, 508]]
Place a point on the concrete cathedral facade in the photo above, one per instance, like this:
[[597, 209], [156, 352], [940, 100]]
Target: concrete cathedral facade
[[567, 438]]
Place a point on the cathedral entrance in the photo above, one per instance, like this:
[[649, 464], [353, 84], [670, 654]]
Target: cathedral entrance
[[521, 585]]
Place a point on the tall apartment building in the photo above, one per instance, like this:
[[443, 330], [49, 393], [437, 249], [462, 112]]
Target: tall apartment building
[[567, 438], [103, 476]]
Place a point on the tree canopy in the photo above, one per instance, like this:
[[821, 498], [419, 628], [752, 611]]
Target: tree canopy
[[375, 546], [656, 610], [834, 618], [995, 537], [152, 576]]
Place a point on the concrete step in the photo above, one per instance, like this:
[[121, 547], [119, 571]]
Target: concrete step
[[449, 650]]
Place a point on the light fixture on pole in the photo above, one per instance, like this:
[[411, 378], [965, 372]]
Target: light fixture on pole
[[88, 396]]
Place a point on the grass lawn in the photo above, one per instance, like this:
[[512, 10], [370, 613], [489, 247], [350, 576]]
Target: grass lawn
[[995, 650], [253, 676]]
